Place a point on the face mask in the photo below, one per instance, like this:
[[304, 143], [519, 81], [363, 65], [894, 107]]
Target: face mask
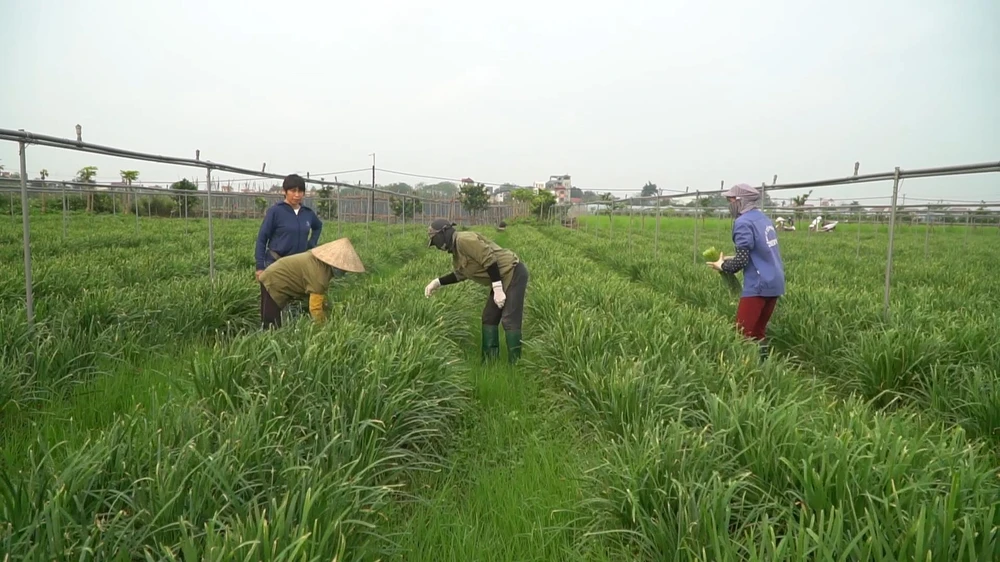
[[337, 273], [734, 208], [440, 240]]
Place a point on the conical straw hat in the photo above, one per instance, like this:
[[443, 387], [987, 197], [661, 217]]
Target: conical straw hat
[[340, 254]]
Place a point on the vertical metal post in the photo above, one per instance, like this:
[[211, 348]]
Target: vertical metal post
[[965, 242], [338, 209], [371, 210], [630, 206], [697, 208], [65, 209], [211, 233], [388, 218], [892, 233], [858, 256], [26, 222], [763, 192], [927, 235], [135, 197], [656, 237]]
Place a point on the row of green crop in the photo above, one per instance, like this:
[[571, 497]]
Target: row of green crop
[[288, 446], [112, 301], [932, 352], [712, 456], [107, 252]]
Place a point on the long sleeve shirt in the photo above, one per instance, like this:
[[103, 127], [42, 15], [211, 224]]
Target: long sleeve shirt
[[473, 255], [737, 262], [286, 232], [297, 277]]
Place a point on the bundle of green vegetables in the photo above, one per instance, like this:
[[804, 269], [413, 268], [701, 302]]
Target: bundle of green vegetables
[[730, 280]]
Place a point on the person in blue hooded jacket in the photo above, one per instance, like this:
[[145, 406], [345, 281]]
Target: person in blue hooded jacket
[[759, 257], [289, 228]]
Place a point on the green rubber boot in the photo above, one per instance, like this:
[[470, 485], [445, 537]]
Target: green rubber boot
[[491, 342], [513, 346]]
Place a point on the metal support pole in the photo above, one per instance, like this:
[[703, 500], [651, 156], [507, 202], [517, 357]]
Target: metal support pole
[[656, 237], [135, 196], [211, 233], [892, 234], [630, 207], [371, 211], [338, 209], [26, 222], [65, 209], [697, 208], [927, 235], [858, 256]]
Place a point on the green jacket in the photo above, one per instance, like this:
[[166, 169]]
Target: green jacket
[[295, 277], [472, 254]]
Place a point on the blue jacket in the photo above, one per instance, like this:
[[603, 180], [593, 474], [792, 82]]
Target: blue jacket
[[286, 232], [764, 275]]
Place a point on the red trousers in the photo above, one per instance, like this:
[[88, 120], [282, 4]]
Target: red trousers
[[753, 314]]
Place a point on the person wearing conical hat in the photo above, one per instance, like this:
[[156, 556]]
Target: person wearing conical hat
[[477, 258], [289, 228], [306, 274]]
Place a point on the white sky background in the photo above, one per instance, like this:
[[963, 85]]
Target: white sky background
[[614, 94]]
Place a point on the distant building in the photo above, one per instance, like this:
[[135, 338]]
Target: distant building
[[561, 187], [501, 195]]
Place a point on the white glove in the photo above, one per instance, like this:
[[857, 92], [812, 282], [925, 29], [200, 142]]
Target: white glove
[[431, 287], [499, 296]]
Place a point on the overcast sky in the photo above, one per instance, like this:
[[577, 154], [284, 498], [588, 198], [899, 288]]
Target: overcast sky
[[614, 94]]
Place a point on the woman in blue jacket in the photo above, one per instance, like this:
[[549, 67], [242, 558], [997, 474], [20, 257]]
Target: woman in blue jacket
[[758, 256], [289, 228]]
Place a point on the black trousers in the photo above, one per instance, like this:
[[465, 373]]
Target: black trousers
[[270, 312], [512, 313]]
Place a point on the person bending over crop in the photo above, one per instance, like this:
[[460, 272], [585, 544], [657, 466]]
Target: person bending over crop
[[483, 261], [289, 228], [306, 274], [758, 255]]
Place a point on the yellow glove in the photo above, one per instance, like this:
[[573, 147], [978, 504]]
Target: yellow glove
[[316, 307]]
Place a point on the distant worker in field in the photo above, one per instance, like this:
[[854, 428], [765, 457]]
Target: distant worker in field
[[305, 274], [758, 255], [483, 261], [289, 228]]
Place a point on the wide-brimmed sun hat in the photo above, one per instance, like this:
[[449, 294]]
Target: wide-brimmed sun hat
[[340, 254]]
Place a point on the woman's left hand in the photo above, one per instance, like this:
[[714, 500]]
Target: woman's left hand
[[717, 265]]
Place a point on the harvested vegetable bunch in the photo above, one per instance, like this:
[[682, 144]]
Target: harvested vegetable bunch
[[730, 280]]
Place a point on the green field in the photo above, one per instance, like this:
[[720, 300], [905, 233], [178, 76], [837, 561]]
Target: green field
[[146, 417]]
